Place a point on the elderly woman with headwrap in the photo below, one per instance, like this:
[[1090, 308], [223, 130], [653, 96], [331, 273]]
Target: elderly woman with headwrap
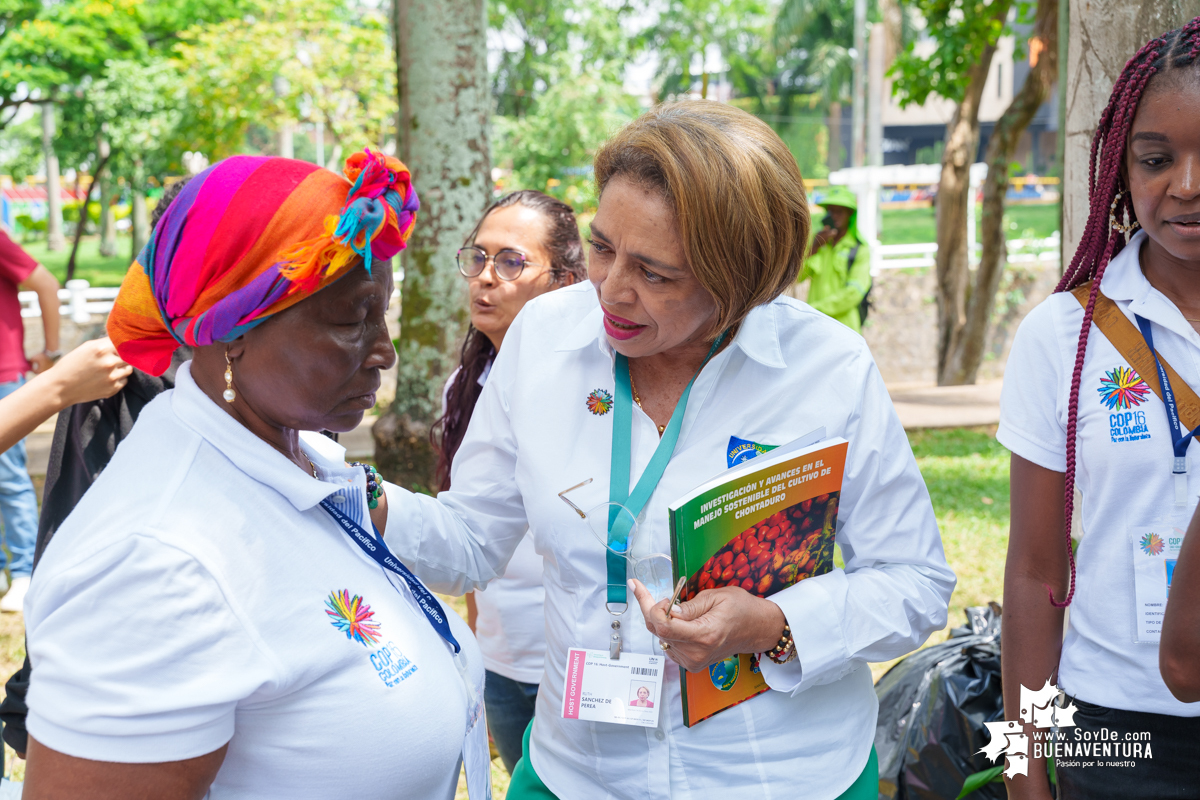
[[219, 617]]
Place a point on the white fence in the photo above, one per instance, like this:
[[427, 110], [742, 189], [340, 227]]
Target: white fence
[[80, 300], [922, 256]]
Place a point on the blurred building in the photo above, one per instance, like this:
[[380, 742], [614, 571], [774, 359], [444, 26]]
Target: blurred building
[[23, 205], [915, 135]]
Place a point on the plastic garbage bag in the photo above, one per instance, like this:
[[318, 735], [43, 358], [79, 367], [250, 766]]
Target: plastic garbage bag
[[932, 706]]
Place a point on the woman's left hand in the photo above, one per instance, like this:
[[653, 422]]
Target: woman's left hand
[[716, 624]]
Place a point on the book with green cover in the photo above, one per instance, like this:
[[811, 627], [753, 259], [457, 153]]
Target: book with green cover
[[763, 525]]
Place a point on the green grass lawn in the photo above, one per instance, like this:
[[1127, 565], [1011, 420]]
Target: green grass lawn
[[966, 471], [94, 268], [917, 225]]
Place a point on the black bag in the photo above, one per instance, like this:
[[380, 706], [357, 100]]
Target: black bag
[[866, 305], [932, 706]]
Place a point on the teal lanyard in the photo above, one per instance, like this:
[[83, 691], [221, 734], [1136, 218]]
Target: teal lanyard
[[618, 487]]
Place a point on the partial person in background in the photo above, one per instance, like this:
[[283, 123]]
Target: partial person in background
[[839, 262], [526, 244], [18, 502], [1179, 655], [85, 438], [89, 372]]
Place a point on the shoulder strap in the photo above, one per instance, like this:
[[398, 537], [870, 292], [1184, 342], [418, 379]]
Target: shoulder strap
[[851, 256], [1124, 336]]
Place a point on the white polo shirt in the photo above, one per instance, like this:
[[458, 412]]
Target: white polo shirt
[[1122, 470], [788, 370], [199, 595]]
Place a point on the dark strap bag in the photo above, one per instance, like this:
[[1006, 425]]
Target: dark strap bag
[[866, 305]]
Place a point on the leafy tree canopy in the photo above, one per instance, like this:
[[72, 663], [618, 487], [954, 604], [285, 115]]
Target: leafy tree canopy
[[63, 44], [290, 61], [958, 31], [686, 29], [537, 43], [552, 150]]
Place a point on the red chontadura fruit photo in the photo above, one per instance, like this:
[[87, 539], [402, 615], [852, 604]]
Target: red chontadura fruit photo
[[785, 548]]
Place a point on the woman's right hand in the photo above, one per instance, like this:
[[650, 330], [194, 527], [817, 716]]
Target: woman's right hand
[[91, 371], [822, 237]]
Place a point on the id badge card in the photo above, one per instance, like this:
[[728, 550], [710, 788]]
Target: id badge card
[[624, 691], [477, 759], [1154, 549]]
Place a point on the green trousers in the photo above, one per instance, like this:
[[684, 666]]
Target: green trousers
[[526, 785]]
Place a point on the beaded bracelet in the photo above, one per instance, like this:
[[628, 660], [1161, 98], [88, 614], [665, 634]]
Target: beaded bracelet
[[785, 650], [374, 483]]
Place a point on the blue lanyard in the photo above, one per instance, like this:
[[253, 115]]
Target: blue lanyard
[[1179, 440], [377, 550], [618, 482]]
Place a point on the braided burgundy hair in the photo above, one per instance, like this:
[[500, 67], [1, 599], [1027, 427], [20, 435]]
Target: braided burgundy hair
[[1107, 195]]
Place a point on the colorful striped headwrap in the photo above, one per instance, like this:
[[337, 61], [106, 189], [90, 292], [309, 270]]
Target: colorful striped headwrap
[[249, 237]]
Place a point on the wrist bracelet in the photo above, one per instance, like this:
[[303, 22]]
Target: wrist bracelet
[[374, 483], [53, 355], [785, 650]]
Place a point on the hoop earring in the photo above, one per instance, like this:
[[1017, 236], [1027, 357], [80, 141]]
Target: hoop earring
[[228, 394], [1112, 217]]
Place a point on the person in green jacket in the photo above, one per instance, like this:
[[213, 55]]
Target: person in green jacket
[[839, 286]]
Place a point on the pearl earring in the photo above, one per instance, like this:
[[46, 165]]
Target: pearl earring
[[228, 394]]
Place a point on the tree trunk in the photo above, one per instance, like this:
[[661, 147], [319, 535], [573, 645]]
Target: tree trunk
[[83, 216], [833, 157], [54, 218], [394, 30], [962, 364], [954, 203], [892, 16], [108, 227], [138, 214], [1104, 35], [445, 107], [858, 113]]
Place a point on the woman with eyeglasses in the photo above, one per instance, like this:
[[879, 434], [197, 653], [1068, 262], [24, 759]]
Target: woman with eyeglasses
[[526, 244]]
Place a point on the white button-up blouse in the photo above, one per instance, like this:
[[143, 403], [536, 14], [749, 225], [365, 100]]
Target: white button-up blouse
[[788, 370]]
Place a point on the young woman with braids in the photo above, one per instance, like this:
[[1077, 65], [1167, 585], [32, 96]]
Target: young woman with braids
[[527, 243], [1082, 408]]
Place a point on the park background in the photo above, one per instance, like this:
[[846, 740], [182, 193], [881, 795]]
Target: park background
[[946, 117]]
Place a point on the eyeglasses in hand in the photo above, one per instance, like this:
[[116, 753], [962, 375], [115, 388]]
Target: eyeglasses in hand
[[508, 263], [615, 527]]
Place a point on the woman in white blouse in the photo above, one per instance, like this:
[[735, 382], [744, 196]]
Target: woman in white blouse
[[702, 224]]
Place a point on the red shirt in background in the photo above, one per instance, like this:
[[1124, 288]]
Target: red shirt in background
[[15, 266]]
